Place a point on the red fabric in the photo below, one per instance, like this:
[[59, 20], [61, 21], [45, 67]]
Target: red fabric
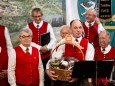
[[3, 82], [27, 67], [93, 34], [109, 55], [3, 54], [70, 50], [37, 33], [100, 56]]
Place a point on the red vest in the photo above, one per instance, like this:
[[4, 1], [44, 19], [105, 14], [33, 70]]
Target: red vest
[[3, 54], [26, 71], [100, 56], [92, 34], [37, 33], [72, 51]]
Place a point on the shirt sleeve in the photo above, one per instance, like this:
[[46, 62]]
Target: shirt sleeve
[[35, 45], [41, 71], [52, 36], [11, 68], [100, 28], [89, 52], [58, 53], [8, 41]]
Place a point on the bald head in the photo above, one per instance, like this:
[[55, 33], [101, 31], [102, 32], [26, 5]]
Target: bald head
[[64, 30], [104, 39], [76, 28]]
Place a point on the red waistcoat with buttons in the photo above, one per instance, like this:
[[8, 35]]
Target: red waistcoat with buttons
[[36, 35], [72, 51], [91, 33], [100, 56], [26, 71], [3, 53]]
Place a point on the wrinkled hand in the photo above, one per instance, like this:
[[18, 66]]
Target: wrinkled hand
[[72, 80], [51, 74], [3, 74], [44, 49], [97, 20]]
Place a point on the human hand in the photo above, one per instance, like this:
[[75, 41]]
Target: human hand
[[71, 80], [44, 49], [51, 74], [3, 74], [97, 20]]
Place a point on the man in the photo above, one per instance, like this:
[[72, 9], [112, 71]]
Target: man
[[104, 52], [92, 26], [39, 27], [5, 47], [69, 50], [25, 66]]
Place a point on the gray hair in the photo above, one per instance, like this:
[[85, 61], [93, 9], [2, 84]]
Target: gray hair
[[94, 11], [104, 31], [64, 26], [27, 30], [37, 10]]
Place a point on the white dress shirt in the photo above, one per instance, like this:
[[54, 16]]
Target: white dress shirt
[[52, 36], [107, 49], [100, 27], [8, 41], [12, 66]]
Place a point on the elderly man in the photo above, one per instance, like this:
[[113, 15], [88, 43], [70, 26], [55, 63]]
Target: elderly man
[[70, 50], [5, 47], [25, 66], [92, 26], [104, 52]]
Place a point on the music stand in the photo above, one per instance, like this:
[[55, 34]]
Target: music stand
[[87, 69], [104, 69]]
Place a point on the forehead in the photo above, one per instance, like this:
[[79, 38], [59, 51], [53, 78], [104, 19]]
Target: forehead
[[65, 30], [90, 12], [76, 23], [36, 13], [103, 34], [24, 33]]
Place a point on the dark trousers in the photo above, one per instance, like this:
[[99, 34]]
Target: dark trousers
[[47, 81], [62, 83]]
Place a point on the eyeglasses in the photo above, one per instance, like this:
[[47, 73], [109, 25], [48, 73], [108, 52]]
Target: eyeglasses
[[23, 36], [36, 16], [89, 15]]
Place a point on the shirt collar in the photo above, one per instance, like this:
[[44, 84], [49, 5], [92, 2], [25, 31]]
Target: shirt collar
[[40, 24], [24, 48], [107, 49], [79, 39], [87, 24]]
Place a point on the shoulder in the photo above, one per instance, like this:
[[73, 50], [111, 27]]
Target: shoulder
[[34, 48], [2, 27]]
